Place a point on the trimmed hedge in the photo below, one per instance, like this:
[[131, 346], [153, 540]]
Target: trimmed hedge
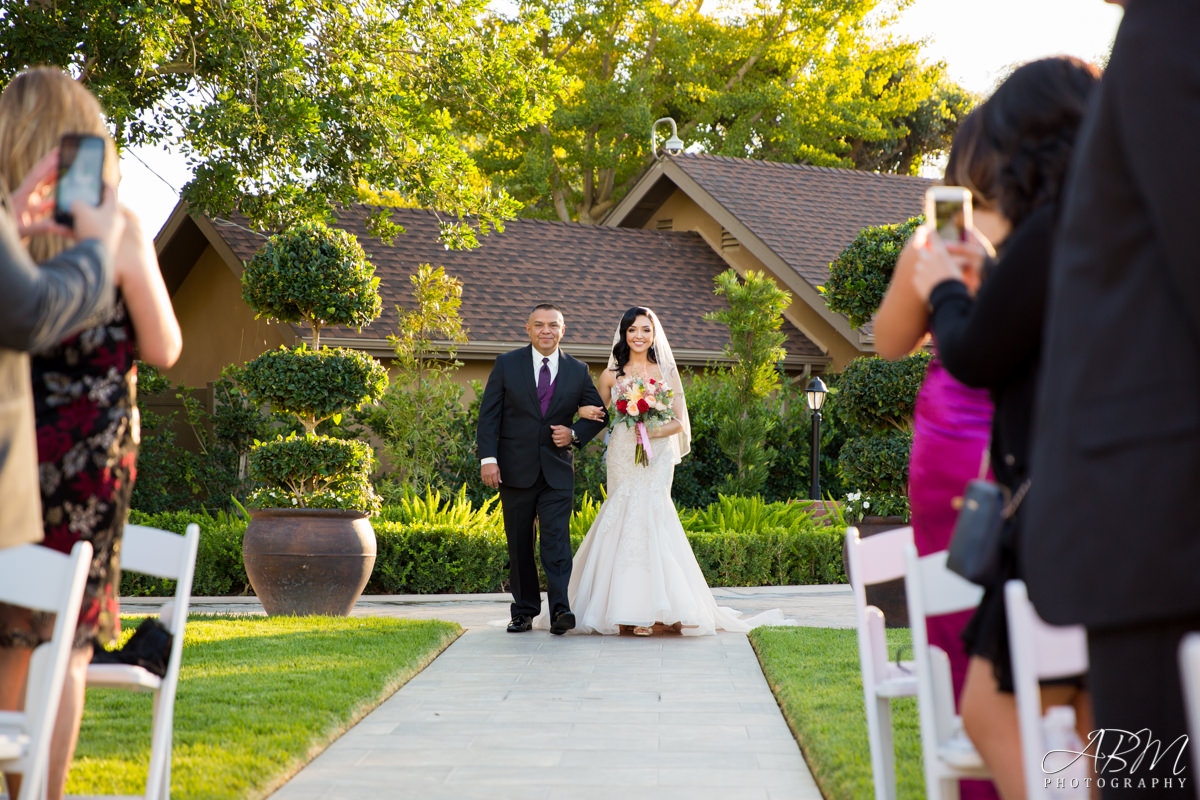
[[428, 558]]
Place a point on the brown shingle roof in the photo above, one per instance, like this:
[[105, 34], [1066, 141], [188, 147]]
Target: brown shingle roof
[[806, 215], [593, 273]]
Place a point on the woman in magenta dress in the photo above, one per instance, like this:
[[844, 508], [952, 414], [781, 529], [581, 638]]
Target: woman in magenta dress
[[951, 429]]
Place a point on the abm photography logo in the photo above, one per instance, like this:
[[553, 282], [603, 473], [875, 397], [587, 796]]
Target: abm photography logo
[[1119, 759]]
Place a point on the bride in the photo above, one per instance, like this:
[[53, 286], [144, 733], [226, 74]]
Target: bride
[[635, 568]]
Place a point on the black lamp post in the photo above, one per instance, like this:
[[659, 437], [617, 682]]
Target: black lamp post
[[816, 392]]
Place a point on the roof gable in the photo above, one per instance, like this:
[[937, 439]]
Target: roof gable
[[593, 273], [803, 214]]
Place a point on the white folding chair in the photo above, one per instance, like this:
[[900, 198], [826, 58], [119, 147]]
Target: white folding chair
[[1040, 651], [947, 753], [37, 577], [1189, 667], [165, 555], [873, 560]]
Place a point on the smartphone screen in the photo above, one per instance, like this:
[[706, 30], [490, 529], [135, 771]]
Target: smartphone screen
[[949, 209], [80, 174]]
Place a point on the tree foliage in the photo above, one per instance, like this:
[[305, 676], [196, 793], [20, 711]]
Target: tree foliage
[[417, 419], [285, 108], [804, 81], [754, 317]]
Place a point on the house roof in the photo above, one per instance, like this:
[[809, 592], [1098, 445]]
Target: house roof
[[793, 216], [593, 273]]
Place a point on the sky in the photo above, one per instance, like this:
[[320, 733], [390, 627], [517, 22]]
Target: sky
[[979, 40]]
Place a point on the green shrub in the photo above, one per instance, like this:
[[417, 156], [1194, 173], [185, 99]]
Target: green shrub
[[314, 384], [874, 393], [315, 471], [859, 276], [313, 274], [878, 462], [219, 567], [444, 545]]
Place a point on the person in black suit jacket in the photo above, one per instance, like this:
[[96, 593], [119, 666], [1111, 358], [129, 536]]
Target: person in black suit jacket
[[1116, 467], [525, 441]]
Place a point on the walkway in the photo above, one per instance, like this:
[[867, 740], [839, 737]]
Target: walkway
[[539, 717]]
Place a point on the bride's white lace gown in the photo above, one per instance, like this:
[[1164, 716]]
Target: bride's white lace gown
[[635, 566]]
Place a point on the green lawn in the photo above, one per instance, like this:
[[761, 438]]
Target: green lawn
[[258, 698], [815, 676]]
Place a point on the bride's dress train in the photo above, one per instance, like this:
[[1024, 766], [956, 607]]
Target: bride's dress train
[[635, 566]]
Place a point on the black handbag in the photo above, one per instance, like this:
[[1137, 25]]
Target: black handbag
[[975, 545], [148, 648], [978, 539]]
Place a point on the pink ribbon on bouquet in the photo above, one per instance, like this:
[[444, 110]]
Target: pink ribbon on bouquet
[[645, 439]]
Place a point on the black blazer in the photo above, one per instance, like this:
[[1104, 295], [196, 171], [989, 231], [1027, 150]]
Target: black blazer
[[1116, 459], [511, 426]]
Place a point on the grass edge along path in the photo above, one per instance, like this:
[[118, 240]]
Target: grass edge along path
[[814, 675], [258, 698]]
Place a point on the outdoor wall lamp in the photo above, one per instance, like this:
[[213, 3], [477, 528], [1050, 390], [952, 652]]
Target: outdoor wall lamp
[[816, 393], [673, 146]]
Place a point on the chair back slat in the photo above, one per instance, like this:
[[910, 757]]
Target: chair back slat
[[944, 592], [32, 576], [153, 552], [878, 558]]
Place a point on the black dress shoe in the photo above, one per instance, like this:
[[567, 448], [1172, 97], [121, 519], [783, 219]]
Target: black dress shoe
[[563, 622], [521, 624]]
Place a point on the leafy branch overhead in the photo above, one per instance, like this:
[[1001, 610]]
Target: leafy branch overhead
[[288, 108]]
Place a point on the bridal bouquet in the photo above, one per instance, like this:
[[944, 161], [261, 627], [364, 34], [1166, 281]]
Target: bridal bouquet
[[643, 401]]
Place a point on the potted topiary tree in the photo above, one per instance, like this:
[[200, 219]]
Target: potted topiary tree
[[310, 547]]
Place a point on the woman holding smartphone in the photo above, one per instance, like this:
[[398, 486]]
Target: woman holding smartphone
[[990, 338], [84, 397], [951, 423]]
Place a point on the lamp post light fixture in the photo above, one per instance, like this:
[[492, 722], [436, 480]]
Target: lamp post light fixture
[[816, 392], [673, 146]]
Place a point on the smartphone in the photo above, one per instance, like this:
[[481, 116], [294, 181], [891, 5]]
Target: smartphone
[[80, 174], [948, 208]]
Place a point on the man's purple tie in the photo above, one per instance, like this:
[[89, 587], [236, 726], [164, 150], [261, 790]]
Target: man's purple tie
[[545, 388]]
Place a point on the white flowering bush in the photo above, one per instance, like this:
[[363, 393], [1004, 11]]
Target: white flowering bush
[[857, 505]]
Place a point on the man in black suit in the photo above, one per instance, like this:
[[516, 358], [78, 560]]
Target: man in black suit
[[525, 441], [1116, 463]]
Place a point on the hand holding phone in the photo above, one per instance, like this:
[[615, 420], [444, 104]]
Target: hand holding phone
[[948, 210], [80, 175]]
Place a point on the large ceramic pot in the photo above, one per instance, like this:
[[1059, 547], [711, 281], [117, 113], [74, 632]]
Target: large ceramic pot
[[889, 596], [308, 561]]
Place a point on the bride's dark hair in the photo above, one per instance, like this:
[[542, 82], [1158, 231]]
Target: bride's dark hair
[[621, 348]]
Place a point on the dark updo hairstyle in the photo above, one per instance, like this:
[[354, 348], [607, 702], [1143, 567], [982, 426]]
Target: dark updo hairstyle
[[621, 348], [1028, 128]]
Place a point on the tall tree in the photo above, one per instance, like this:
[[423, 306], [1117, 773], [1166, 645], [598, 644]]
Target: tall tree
[[805, 81], [285, 108]]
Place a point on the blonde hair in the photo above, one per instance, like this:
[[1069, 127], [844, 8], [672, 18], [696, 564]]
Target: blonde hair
[[36, 108]]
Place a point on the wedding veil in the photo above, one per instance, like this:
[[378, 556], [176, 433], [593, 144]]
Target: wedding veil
[[665, 359]]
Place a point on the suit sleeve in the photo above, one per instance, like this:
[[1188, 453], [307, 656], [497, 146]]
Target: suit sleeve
[[1156, 87], [985, 340], [586, 429], [47, 302], [487, 432]]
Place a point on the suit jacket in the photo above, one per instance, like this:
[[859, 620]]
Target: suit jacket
[[1116, 462], [43, 304], [511, 426]]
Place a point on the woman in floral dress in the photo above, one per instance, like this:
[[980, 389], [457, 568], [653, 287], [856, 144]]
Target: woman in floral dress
[[85, 400]]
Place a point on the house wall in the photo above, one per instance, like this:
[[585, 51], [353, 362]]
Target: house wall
[[684, 214], [218, 328]]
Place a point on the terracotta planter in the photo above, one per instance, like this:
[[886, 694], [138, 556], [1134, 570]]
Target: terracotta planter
[[889, 597], [308, 561]]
